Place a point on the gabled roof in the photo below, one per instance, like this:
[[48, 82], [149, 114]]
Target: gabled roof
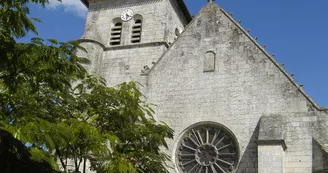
[[207, 10], [181, 4]]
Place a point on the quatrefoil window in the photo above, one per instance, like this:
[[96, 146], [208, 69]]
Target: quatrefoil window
[[207, 148]]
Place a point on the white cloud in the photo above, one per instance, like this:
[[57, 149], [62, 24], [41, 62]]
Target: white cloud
[[74, 6]]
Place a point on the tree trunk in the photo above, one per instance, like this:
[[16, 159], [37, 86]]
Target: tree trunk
[[76, 166], [84, 164]]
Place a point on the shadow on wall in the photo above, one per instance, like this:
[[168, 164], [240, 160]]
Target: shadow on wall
[[319, 158], [249, 161]]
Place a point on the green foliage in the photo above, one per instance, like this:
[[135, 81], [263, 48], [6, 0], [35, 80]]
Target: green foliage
[[121, 114], [50, 102]]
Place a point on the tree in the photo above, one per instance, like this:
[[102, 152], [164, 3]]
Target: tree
[[45, 119], [135, 137]]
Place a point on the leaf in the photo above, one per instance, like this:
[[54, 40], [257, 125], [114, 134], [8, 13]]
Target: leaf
[[53, 41], [37, 19]]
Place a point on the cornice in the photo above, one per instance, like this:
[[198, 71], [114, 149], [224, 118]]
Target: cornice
[[181, 4], [125, 6], [106, 48]]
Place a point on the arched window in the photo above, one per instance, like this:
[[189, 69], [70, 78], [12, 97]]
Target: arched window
[[209, 61], [116, 32], [136, 31]]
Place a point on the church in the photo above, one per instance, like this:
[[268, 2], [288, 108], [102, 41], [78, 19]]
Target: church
[[233, 108]]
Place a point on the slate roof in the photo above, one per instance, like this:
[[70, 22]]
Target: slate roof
[[181, 4]]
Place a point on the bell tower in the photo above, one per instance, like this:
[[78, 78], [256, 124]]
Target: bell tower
[[124, 38]]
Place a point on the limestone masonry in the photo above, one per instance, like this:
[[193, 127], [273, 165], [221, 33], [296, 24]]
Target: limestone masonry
[[232, 106]]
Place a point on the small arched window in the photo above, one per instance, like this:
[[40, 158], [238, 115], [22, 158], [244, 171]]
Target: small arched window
[[209, 61], [116, 32], [136, 31]]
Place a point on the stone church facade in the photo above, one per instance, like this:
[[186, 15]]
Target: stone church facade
[[232, 106]]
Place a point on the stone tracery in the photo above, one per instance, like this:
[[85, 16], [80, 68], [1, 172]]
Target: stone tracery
[[207, 149]]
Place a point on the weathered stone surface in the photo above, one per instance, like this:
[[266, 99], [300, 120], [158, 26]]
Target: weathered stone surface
[[271, 144], [271, 159], [124, 62], [272, 130], [209, 61]]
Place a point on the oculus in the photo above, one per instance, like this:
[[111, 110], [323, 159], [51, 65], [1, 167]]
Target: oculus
[[207, 148]]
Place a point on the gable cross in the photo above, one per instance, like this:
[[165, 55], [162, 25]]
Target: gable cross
[[210, 1]]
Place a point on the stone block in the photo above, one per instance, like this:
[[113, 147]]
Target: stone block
[[272, 130]]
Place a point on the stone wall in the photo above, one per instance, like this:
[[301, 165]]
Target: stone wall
[[127, 61], [271, 159], [122, 65], [175, 21], [94, 54], [320, 158], [245, 85], [101, 15]]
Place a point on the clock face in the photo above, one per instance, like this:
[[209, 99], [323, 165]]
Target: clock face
[[127, 15]]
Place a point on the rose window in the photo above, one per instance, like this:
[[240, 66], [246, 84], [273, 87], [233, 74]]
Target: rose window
[[207, 149]]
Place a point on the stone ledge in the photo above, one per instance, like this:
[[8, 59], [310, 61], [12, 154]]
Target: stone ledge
[[272, 142], [105, 48], [159, 43]]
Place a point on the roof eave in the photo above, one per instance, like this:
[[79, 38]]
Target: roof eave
[[185, 10], [85, 2], [181, 4]]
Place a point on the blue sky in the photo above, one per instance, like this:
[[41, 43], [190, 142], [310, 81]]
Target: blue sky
[[294, 30]]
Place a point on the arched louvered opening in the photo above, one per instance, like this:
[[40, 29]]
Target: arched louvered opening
[[116, 32], [136, 31]]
